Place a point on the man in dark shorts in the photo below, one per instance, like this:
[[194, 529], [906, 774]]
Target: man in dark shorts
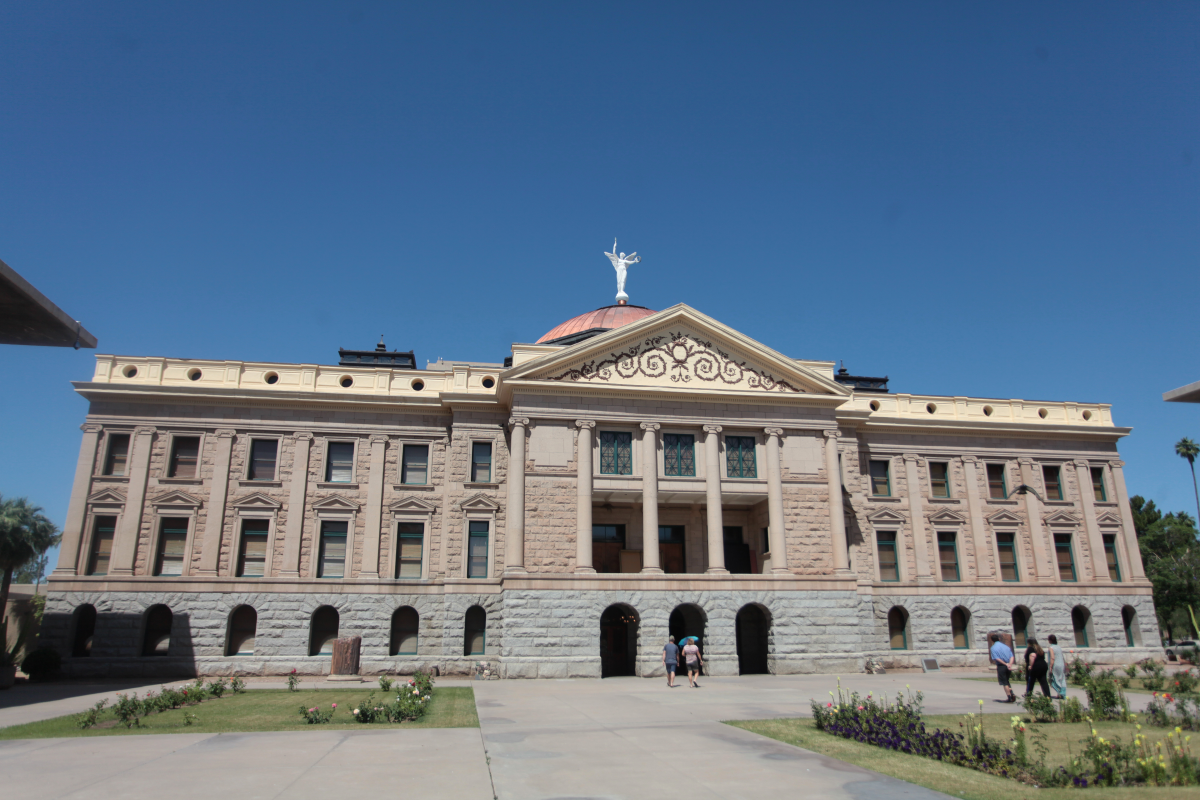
[[671, 660], [1002, 654]]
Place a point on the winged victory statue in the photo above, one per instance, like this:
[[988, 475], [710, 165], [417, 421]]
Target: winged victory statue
[[620, 263]]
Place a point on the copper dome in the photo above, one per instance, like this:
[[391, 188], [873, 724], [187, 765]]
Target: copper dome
[[606, 318]]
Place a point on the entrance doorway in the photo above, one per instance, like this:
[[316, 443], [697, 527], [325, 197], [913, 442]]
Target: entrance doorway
[[618, 641], [753, 627], [688, 620]]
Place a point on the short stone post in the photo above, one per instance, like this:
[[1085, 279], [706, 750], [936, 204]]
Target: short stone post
[[345, 659]]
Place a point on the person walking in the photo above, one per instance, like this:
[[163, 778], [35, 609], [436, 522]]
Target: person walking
[[691, 654], [1058, 669], [1035, 668], [670, 660], [1002, 654]]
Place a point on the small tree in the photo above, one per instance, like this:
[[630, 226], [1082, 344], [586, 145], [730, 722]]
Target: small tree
[[25, 534], [1186, 448]]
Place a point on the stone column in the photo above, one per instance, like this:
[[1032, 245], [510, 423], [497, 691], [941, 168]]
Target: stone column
[[975, 514], [214, 520], [1133, 554], [1045, 566], [837, 514], [916, 513], [650, 560], [125, 547], [514, 537], [1083, 474], [373, 520], [776, 530], [712, 486], [583, 497], [297, 491], [69, 557]]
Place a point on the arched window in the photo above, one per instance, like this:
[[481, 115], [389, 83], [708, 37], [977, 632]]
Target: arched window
[[475, 632], [324, 629], [898, 628], [960, 620], [243, 624], [1081, 620], [156, 640], [85, 629], [1129, 621], [1022, 626], [405, 623]]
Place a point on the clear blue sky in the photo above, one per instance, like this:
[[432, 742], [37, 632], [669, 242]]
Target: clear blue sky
[[996, 199]]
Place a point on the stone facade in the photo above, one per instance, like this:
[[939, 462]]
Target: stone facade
[[775, 549]]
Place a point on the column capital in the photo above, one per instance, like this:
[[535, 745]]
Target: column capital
[[833, 433], [379, 437], [650, 426], [91, 427], [140, 429], [225, 433], [305, 435], [585, 423], [518, 422], [1081, 463], [913, 457], [773, 431], [712, 428], [1116, 463], [1025, 462], [970, 459]]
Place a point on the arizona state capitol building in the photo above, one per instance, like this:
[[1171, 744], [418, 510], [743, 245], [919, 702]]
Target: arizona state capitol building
[[632, 474]]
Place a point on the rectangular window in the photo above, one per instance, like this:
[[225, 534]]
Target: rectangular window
[[739, 457], [607, 543], [1066, 560], [997, 485], [1052, 478], [889, 569], [339, 463], [881, 481], [939, 479], [332, 558], [679, 454], [481, 462], [671, 540], [415, 469], [171, 539], [263, 454], [1110, 556], [102, 542], [1006, 544], [410, 542], [477, 550], [948, 555], [616, 453], [118, 454], [1098, 483], [185, 455], [252, 558]]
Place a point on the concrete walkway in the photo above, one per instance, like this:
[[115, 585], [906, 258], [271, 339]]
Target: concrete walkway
[[540, 740]]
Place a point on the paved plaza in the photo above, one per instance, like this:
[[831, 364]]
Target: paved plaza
[[538, 740]]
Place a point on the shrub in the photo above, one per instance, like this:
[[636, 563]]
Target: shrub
[[1165, 710], [1186, 681], [385, 683], [42, 664], [1070, 710], [129, 710], [217, 687], [293, 681], [317, 716], [424, 683], [237, 685], [1154, 676], [1105, 698], [1081, 669], [89, 718], [1041, 707], [1131, 671]]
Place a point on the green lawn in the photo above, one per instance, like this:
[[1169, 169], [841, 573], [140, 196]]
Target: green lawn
[[960, 781], [264, 710], [1135, 686]]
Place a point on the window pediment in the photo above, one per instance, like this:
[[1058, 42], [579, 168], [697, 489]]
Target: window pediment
[[947, 517], [177, 499], [1060, 518], [479, 502], [1005, 519], [886, 516], [413, 505], [256, 500], [336, 503], [107, 497], [1109, 518]]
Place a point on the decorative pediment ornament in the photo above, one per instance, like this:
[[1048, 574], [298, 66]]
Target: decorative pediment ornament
[[413, 505], [1109, 518], [886, 516], [1006, 518], [176, 498], [945, 516], [479, 502], [107, 497], [256, 500], [1060, 518], [336, 502]]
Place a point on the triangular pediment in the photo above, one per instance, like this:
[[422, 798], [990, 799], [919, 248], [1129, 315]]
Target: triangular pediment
[[885, 516], [678, 350], [479, 502], [1109, 518], [413, 505], [1005, 518], [107, 497], [336, 502], [1060, 518], [945, 516], [256, 500], [176, 498]]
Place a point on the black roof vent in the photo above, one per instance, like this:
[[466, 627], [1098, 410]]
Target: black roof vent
[[379, 357], [861, 383]]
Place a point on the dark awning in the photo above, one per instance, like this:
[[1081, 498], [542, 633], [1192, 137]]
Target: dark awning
[[28, 317]]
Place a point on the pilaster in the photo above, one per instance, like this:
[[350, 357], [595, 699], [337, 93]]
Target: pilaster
[[69, 557], [373, 519], [297, 491], [1083, 475], [1136, 570], [712, 488], [125, 547], [214, 520], [651, 563], [916, 514], [514, 536], [837, 514]]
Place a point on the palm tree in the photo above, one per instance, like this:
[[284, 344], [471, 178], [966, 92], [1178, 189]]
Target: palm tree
[[25, 533], [1186, 448]]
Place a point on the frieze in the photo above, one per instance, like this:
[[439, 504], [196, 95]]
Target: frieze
[[680, 358]]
